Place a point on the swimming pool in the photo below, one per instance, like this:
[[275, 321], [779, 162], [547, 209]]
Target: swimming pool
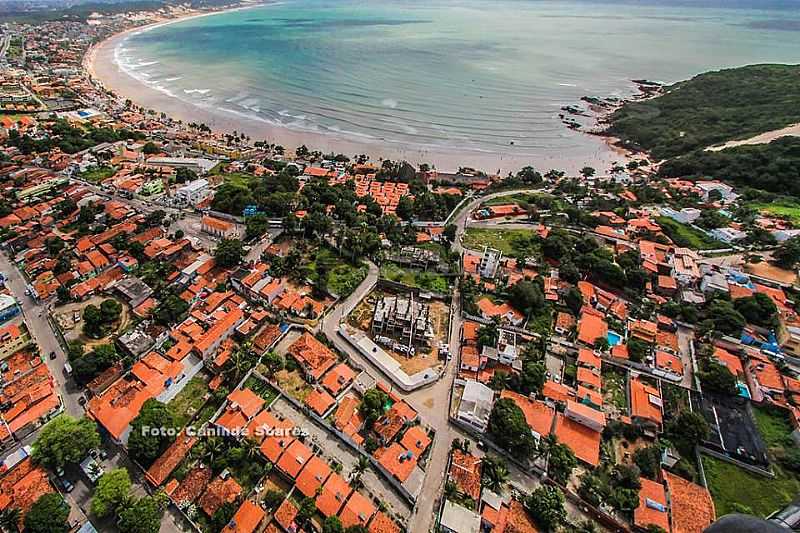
[[614, 338], [744, 392]]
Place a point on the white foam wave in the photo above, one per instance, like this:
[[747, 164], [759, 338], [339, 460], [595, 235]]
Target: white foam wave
[[389, 102], [197, 91]]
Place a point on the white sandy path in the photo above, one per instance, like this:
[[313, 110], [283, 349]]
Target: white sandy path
[[763, 138]]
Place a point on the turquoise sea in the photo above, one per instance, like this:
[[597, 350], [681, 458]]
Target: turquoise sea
[[463, 74]]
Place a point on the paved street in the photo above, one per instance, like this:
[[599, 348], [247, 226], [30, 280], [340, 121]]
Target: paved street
[[35, 316]]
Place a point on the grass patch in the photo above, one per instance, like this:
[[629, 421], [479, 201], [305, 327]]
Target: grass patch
[[614, 384], [343, 276], [687, 236], [731, 487], [97, 174], [774, 426], [429, 281], [262, 388], [186, 403], [239, 179], [784, 209], [508, 241], [293, 384]]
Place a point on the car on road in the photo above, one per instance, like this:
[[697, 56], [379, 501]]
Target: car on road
[[65, 484], [52, 355], [81, 400]]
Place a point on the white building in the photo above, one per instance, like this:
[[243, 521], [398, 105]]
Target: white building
[[726, 191], [490, 260], [687, 215], [198, 165], [476, 405], [782, 235], [458, 519], [728, 235], [506, 349], [193, 192]]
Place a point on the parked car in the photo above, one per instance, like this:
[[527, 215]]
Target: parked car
[[52, 355]]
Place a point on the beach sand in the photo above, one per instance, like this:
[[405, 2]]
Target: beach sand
[[99, 62]]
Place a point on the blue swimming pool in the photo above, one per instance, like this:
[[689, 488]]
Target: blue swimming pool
[[614, 338], [744, 392]]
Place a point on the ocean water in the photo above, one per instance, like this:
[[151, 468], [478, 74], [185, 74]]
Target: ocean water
[[459, 74]]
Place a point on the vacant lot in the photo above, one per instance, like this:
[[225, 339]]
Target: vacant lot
[[687, 236], [186, 403], [508, 241], [732, 487], [428, 281], [785, 209]]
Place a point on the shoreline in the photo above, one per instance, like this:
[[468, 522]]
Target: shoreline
[[101, 66]]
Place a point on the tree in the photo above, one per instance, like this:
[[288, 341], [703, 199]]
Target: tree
[[87, 367], [529, 176], [546, 506], [587, 172], [332, 524], [648, 460], [716, 377], [758, 309], [526, 296], [308, 507], [143, 446], [560, 463], [48, 514], [10, 518], [256, 226], [494, 472], [488, 335], [687, 430], [637, 349], [150, 148], [229, 253], [170, 310], [725, 318], [273, 498], [222, 516], [142, 515], [573, 299], [110, 310], [65, 440], [274, 362], [372, 406], [509, 429], [787, 254], [449, 232], [113, 490]]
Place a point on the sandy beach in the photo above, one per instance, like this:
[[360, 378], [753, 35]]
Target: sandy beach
[[101, 65]]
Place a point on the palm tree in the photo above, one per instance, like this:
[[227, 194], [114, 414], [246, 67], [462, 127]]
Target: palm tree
[[495, 473], [213, 449], [9, 519]]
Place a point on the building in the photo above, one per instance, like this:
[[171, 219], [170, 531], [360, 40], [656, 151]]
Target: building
[[8, 307], [193, 192], [152, 188], [219, 228], [506, 350], [707, 189], [687, 215], [404, 319], [728, 235], [197, 165], [457, 519], [476, 405], [490, 261], [12, 339]]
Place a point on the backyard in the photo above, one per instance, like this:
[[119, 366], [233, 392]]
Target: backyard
[[614, 387], [96, 174], [188, 401], [785, 209]]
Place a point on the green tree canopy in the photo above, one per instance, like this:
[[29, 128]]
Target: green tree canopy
[[48, 514], [229, 253], [509, 429], [112, 491], [144, 446], [65, 440], [546, 506]]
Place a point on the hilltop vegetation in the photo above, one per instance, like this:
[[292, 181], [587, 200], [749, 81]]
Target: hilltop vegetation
[[711, 108], [771, 167]]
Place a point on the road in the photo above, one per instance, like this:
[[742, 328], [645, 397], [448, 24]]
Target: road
[[35, 316]]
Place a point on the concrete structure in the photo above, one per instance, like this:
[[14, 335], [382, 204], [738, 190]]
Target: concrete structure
[[457, 519], [490, 261], [8, 307], [198, 165], [476, 405], [12, 339], [219, 228], [193, 192], [404, 319]]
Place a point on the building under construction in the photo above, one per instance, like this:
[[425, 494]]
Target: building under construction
[[405, 320]]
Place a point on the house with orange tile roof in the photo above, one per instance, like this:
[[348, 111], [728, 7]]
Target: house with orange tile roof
[[646, 405], [314, 357], [465, 473], [313, 475], [334, 493], [347, 419], [505, 312], [219, 492], [338, 378], [22, 485], [691, 506], [397, 460], [581, 439], [170, 459], [285, 515], [586, 415], [293, 459], [319, 401], [357, 511], [242, 406], [219, 228], [653, 509], [643, 329], [591, 328], [668, 363], [416, 440], [393, 420], [246, 519], [538, 415], [381, 523]]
